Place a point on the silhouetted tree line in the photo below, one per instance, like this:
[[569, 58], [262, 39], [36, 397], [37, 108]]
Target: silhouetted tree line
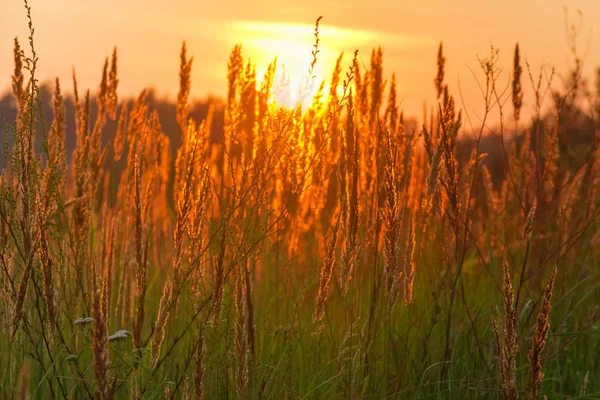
[[577, 112], [166, 111]]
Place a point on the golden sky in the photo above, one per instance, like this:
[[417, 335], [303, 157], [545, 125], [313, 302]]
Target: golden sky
[[149, 33]]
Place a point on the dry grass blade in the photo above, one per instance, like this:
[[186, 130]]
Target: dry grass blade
[[325, 277], [539, 338], [99, 341], [506, 339]]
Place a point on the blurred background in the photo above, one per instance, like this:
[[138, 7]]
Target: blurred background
[[149, 33]]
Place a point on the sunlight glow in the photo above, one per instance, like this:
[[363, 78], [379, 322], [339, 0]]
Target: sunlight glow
[[292, 45], [288, 93]]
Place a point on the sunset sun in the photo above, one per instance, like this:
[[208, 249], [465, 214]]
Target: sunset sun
[[292, 46]]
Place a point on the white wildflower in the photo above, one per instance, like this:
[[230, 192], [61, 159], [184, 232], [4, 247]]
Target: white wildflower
[[118, 335], [83, 321]]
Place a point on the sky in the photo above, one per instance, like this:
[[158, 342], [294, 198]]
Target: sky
[[148, 34]]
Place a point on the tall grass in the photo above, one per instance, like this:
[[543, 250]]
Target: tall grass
[[272, 264]]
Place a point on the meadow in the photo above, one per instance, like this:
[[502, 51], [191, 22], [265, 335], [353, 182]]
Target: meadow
[[323, 251]]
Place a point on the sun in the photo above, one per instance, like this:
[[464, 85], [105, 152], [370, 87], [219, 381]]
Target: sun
[[292, 46], [292, 90]]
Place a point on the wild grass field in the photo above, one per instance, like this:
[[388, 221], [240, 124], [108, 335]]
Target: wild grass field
[[329, 251]]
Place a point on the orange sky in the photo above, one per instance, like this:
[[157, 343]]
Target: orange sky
[[148, 34]]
